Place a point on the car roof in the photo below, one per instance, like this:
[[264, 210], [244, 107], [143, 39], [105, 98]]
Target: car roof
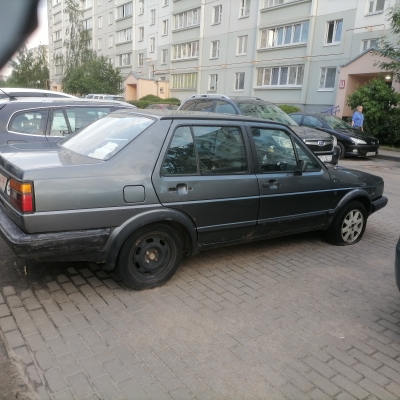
[[235, 99], [48, 101], [30, 90]]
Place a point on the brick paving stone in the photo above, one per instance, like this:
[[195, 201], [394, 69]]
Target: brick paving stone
[[365, 359], [79, 321], [53, 286], [142, 377], [14, 301], [92, 367], [47, 330], [7, 324], [69, 333], [371, 374], [126, 356], [68, 364], [23, 354], [376, 390], [102, 352], [8, 291], [4, 311], [42, 393], [14, 339], [33, 374], [79, 349], [107, 389], [45, 360], [78, 280], [39, 316], [57, 346], [35, 342], [69, 287], [80, 385], [117, 372], [324, 384], [31, 303], [55, 380], [345, 370], [155, 391]]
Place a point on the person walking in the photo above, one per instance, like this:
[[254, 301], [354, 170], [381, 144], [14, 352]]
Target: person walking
[[358, 118]]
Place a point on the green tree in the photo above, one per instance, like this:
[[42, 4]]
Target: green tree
[[389, 48], [95, 75], [30, 69], [381, 115]]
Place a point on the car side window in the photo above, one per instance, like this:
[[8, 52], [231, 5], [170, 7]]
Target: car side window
[[30, 122], [223, 107], [79, 117], [59, 126], [296, 117], [275, 151], [205, 105], [310, 165], [181, 156], [312, 121], [188, 105]]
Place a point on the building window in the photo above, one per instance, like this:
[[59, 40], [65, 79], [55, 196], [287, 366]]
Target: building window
[[376, 6], [186, 19], [217, 15], [110, 18], [334, 31], [212, 84], [164, 56], [214, 49], [239, 81], [152, 17], [184, 81], [87, 23], [55, 2], [100, 22], [244, 10], [165, 3], [285, 35], [327, 78], [185, 50], [99, 43], [111, 61], [280, 76], [124, 11], [367, 44], [99, 3], [87, 4], [57, 35], [59, 69], [165, 27], [241, 45], [152, 44], [141, 7], [124, 60], [124, 36], [141, 34], [57, 18], [51, 39], [272, 3], [111, 41], [140, 59]]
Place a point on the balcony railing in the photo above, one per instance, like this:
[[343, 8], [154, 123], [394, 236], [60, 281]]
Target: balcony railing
[[275, 3]]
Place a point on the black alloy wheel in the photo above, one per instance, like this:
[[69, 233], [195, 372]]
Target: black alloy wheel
[[342, 152]]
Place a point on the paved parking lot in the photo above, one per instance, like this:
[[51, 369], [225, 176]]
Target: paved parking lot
[[291, 318]]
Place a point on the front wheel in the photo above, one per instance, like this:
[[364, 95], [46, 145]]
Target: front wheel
[[349, 225], [150, 257], [342, 152]]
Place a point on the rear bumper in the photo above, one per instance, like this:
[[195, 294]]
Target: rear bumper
[[397, 265], [70, 245], [379, 204]]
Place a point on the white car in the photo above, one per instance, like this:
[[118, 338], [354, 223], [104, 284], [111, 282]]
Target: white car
[[26, 92]]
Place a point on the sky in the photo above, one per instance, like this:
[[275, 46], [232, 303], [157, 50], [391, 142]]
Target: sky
[[39, 36]]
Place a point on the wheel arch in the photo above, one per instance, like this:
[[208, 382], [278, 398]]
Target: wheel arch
[[179, 221]]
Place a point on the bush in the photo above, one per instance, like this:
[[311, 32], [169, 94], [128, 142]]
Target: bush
[[144, 101], [152, 98], [141, 103], [288, 108]]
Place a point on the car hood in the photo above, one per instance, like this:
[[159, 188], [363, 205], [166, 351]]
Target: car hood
[[356, 133], [305, 132], [16, 158]]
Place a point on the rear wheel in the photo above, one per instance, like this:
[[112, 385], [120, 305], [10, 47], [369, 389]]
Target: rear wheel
[[342, 151], [349, 225], [150, 257]]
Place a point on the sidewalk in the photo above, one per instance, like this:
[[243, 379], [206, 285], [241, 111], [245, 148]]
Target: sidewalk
[[390, 155]]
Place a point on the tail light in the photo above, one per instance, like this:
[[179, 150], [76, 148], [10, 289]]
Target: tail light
[[21, 196]]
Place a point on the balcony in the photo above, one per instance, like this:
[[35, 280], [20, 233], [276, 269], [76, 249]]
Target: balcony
[[273, 4]]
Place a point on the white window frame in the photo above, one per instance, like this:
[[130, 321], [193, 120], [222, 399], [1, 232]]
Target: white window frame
[[215, 55], [99, 43], [125, 56], [165, 24], [367, 44], [184, 81], [124, 11], [152, 45], [217, 15], [87, 4], [99, 3], [264, 76], [110, 41], [141, 7], [212, 82], [165, 3], [56, 2], [241, 47], [100, 22], [273, 3], [323, 74], [153, 16], [238, 75], [184, 51], [334, 33], [372, 6], [269, 37], [140, 59], [164, 56], [141, 34], [110, 18], [244, 9], [187, 19], [58, 35], [57, 18], [88, 23], [125, 35]]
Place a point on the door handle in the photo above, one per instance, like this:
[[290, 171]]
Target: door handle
[[180, 188], [272, 184]]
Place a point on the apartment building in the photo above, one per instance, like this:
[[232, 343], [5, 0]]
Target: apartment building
[[284, 51]]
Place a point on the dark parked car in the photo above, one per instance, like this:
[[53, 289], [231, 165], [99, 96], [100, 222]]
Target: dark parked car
[[352, 141], [322, 144], [162, 107], [49, 120], [137, 190]]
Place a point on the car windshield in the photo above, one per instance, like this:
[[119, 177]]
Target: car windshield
[[335, 122], [107, 136], [266, 111]]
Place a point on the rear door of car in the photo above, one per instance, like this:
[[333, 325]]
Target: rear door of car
[[289, 200], [206, 171]]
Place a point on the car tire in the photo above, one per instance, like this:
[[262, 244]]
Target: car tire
[[149, 257], [342, 152], [349, 225]]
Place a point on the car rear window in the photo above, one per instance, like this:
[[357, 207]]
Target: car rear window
[[107, 136]]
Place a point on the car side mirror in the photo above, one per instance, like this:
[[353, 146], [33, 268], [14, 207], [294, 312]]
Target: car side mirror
[[301, 166]]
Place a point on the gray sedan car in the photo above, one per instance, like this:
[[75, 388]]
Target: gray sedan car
[[138, 190]]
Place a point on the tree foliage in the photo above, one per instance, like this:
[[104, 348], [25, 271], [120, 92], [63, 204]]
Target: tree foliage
[[30, 69], [287, 108], [389, 48], [381, 112]]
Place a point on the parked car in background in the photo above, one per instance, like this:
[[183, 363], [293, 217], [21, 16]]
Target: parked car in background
[[22, 92], [136, 190], [352, 141], [162, 107], [105, 97], [322, 144], [49, 120]]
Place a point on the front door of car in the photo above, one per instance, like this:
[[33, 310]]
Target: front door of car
[[205, 171], [291, 199]]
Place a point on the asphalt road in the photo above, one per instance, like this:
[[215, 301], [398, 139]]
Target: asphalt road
[[290, 318]]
